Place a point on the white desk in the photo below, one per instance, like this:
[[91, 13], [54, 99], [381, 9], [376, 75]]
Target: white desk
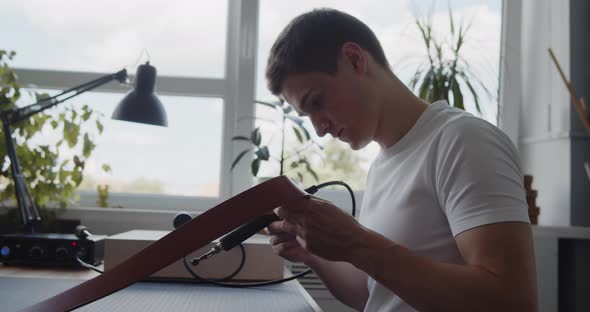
[[20, 287]]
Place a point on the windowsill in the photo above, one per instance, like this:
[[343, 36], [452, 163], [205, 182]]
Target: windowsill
[[110, 221]]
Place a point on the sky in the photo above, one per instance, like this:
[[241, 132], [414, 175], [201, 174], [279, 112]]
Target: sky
[[188, 38]]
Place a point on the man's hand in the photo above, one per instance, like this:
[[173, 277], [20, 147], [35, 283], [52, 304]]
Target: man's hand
[[286, 245], [312, 231], [318, 227]]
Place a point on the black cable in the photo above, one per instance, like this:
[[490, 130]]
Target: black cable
[[311, 190], [320, 186], [240, 285], [88, 265], [243, 260]]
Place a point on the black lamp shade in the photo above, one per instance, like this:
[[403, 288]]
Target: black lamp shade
[[141, 104]]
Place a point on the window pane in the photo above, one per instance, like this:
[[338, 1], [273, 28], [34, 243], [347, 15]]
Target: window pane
[[183, 38], [394, 24], [150, 159]]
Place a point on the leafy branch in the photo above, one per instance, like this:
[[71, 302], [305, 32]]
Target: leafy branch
[[290, 163], [446, 74]]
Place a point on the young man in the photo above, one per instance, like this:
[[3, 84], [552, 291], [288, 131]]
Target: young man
[[443, 224]]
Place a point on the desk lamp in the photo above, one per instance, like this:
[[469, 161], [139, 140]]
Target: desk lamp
[[140, 105]]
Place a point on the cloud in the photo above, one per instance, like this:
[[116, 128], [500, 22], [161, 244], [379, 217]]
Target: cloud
[[183, 38]]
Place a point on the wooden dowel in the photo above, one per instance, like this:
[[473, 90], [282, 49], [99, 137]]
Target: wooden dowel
[[577, 104]]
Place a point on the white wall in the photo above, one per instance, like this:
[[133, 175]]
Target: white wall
[[544, 141]]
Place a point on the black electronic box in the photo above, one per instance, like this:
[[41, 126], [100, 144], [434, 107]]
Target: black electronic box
[[50, 249]]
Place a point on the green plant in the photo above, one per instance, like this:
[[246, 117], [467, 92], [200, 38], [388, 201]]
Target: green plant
[[50, 178], [103, 195], [342, 163], [447, 73], [292, 161]]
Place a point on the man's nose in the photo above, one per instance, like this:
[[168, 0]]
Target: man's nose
[[321, 126]]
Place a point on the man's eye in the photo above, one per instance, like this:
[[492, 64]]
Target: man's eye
[[315, 105]]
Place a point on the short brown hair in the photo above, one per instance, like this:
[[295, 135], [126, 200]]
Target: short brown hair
[[312, 42]]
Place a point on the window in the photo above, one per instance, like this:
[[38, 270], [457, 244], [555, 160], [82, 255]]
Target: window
[[183, 166], [183, 38], [394, 24], [150, 159]]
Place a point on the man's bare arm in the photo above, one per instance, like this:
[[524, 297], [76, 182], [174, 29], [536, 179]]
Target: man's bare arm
[[499, 273], [347, 283]]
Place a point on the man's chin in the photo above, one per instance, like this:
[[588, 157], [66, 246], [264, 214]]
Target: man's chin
[[355, 145]]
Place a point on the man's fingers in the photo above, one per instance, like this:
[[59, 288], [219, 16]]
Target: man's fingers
[[281, 237], [289, 227], [283, 247], [296, 206], [280, 212], [274, 228]]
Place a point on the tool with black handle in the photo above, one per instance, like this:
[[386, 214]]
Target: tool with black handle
[[242, 233]]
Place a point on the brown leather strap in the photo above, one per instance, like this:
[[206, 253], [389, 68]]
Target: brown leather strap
[[193, 235]]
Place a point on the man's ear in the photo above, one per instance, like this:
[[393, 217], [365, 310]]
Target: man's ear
[[355, 55]]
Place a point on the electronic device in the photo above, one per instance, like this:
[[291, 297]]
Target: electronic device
[[260, 264], [51, 249]]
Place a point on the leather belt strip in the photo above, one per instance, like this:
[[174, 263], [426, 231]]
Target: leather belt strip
[[191, 236]]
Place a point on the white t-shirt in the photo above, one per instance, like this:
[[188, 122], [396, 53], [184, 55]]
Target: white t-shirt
[[451, 172]]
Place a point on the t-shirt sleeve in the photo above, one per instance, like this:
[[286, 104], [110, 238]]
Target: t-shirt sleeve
[[478, 177]]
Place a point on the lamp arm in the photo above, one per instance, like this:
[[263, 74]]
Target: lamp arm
[[23, 113], [26, 206]]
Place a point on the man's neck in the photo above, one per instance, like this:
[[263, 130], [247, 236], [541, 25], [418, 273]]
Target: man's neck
[[400, 110]]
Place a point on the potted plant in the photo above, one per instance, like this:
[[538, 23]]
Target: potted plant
[[52, 180], [446, 74], [293, 160]]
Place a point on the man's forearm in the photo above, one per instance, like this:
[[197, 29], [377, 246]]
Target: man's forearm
[[347, 283], [428, 285]]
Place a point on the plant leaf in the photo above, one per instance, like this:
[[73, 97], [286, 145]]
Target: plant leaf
[[106, 168], [313, 173], [300, 176], [87, 113], [472, 91], [240, 138], [263, 153], [457, 96], [298, 135], [415, 78], [295, 119], [88, 146], [255, 166], [71, 132], [287, 109], [240, 155], [256, 137], [269, 104], [425, 86], [452, 21], [99, 126], [305, 133]]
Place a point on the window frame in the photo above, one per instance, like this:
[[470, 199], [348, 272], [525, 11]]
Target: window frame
[[510, 85]]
